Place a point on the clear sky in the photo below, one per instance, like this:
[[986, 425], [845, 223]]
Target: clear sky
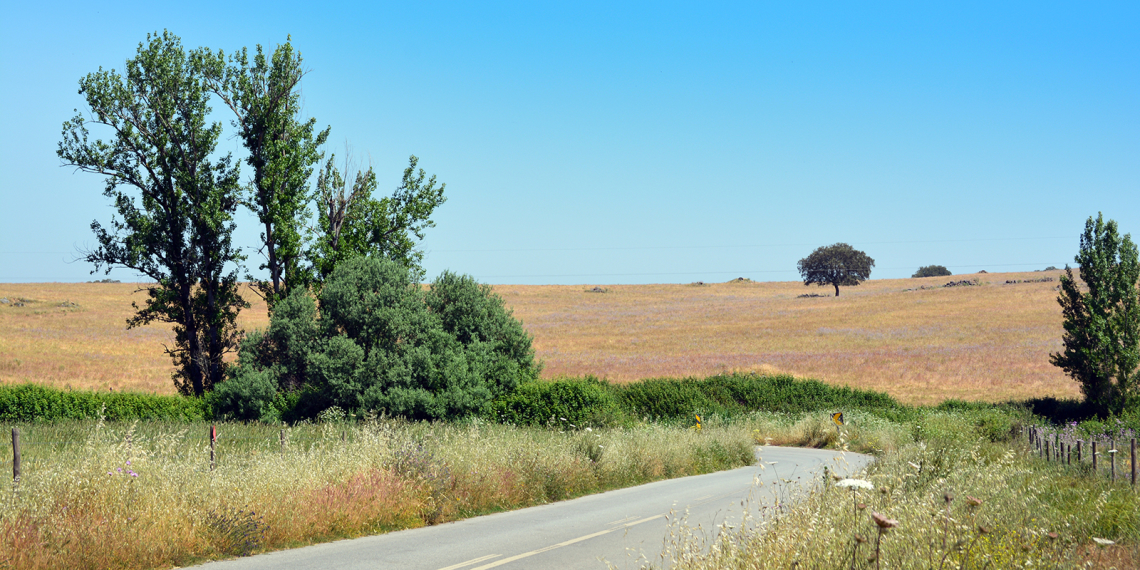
[[600, 143]]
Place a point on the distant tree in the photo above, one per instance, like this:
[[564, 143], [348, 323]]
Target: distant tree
[[175, 200], [283, 151], [932, 271], [838, 264], [1102, 323], [353, 223]]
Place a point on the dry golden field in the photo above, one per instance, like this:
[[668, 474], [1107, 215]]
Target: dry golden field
[[989, 342]]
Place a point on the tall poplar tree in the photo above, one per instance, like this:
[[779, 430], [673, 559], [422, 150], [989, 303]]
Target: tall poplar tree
[[283, 151], [175, 200], [1102, 319]]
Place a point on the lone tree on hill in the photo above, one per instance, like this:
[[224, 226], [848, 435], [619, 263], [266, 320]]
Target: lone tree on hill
[[1102, 324], [838, 264], [932, 271]]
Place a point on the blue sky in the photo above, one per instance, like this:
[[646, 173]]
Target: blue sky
[[651, 142]]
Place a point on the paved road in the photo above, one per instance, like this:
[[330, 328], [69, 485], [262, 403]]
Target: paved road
[[625, 528]]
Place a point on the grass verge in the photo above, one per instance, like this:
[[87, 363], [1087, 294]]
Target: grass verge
[[949, 495], [143, 495]]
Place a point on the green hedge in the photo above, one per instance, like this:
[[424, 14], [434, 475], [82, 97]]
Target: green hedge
[[586, 401], [570, 401], [736, 394], [31, 402]]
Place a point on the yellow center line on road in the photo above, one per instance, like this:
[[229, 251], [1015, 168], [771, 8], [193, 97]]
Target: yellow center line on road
[[470, 562], [561, 544]]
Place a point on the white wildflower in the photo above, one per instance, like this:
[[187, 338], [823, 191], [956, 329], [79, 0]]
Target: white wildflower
[[859, 483]]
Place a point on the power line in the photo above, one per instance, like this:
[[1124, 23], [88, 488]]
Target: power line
[[666, 247], [619, 248], [753, 272], [656, 273]]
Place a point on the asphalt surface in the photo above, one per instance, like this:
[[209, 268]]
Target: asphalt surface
[[625, 528]]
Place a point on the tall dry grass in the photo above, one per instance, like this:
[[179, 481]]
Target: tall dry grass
[[948, 498], [143, 495], [75, 335], [988, 342]]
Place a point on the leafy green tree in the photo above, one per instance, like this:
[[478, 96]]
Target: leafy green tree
[[838, 264], [283, 151], [472, 313], [932, 271], [381, 342], [1102, 321], [352, 222], [175, 202]]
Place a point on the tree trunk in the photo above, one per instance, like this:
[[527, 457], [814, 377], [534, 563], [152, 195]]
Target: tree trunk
[[193, 344], [836, 289]]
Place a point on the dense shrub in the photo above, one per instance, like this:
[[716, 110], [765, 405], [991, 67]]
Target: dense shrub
[[734, 394], [669, 398], [1056, 410], [247, 396], [380, 342], [592, 402], [472, 313], [570, 402], [932, 271], [31, 402]]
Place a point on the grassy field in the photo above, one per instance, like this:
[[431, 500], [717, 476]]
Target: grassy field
[[143, 495], [988, 342]]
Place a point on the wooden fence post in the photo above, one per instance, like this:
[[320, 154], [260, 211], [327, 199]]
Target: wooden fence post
[[1133, 462], [282, 440], [1079, 455], [1112, 459], [1094, 456], [213, 441], [16, 456]]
